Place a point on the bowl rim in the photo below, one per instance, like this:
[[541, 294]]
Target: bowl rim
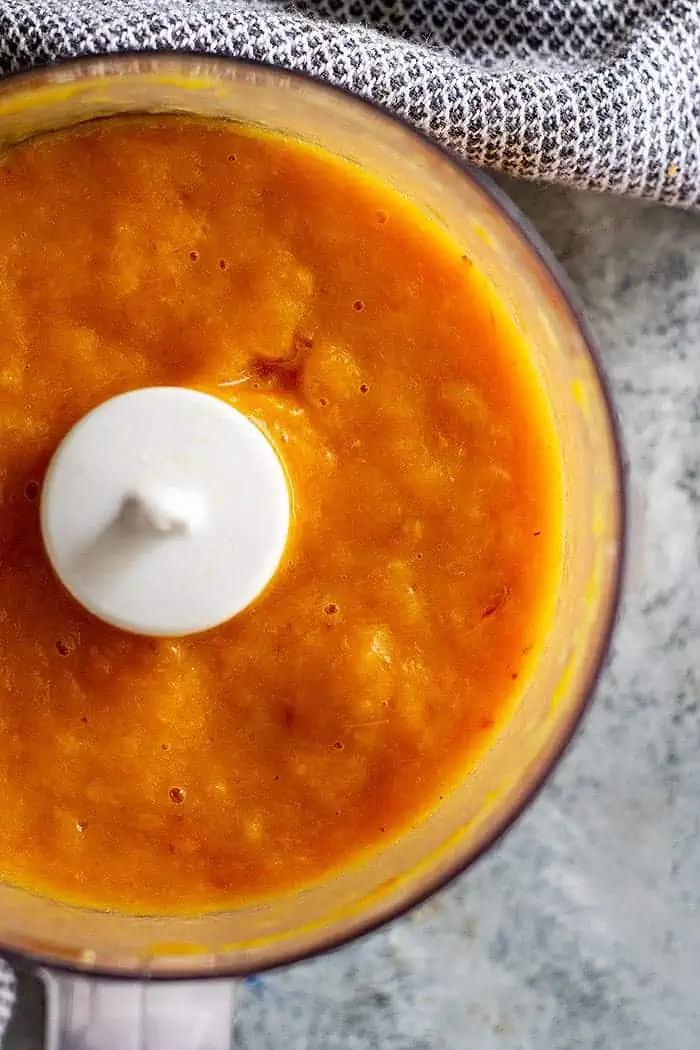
[[569, 297]]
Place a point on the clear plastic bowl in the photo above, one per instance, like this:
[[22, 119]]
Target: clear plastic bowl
[[66, 939]]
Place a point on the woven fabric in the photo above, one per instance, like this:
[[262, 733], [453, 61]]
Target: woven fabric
[[7, 995], [604, 94]]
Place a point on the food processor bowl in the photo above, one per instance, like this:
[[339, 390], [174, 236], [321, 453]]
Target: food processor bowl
[[107, 973]]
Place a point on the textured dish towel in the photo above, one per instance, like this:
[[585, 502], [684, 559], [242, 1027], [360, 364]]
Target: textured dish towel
[[604, 94], [600, 93]]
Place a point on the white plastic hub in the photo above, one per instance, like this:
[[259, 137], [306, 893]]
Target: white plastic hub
[[165, 511]]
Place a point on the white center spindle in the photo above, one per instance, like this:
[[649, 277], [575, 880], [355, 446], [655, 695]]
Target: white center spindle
[[165, 511]]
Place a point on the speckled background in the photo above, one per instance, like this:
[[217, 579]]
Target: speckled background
[[581, 930]]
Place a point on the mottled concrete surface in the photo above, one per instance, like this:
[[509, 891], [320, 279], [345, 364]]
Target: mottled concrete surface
[[580, 931]]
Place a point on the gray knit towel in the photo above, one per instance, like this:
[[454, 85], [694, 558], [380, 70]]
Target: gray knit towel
[[603, 94]]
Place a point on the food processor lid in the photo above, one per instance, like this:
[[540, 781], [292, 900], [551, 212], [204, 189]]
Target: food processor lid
[[165, 511]]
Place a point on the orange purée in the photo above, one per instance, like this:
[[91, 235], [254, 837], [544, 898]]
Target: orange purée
[[386, 654]]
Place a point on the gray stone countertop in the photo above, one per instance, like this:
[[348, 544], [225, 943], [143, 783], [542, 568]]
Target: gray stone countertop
[[581, 930]]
